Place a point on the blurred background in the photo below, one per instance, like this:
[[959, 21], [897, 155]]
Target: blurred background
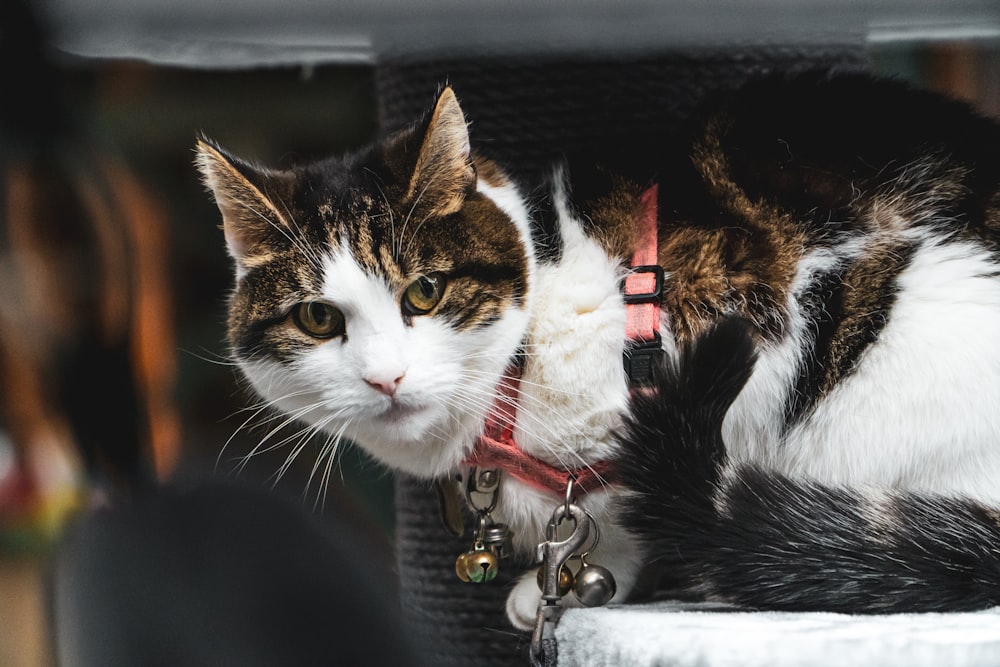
[[114, 374]]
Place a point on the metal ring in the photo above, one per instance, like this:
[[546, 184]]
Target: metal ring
[[554, 523], [596, 533], [471, 486], [569, 497], [481, 532]]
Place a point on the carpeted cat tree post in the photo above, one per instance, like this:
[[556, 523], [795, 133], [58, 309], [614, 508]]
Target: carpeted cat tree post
[[526, 111]]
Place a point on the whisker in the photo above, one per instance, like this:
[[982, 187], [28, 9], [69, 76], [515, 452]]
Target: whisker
[[328, 452], [466, 398], [413, 207], [210, 357], [304, 437], [512, 411], [241, 427], [413, 236], [527, 383], [284, 419], [309, 251]]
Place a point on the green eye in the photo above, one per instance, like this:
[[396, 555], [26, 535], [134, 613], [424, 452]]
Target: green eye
[[318, 319], [423, 294]]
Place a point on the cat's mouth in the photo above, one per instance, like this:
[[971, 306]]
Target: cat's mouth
[[399, 412]]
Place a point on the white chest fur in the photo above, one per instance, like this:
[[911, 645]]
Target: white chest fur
[[573, 395], [573, 389]]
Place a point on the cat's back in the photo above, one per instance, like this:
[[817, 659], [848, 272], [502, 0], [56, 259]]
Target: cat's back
[[817, 154], [854, 221], [885, 370], [836, 145]]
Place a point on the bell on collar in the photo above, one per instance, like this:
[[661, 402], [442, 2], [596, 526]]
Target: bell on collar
[[477, 566]]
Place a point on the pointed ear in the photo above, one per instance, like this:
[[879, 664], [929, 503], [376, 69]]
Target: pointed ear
[[249, 218], [444, 173]]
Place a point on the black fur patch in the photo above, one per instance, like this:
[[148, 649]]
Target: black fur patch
[[784, 544], [673, 450], [846, 311], [759, 539]]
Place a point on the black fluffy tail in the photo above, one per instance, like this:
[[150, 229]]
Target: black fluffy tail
[[752, 537]]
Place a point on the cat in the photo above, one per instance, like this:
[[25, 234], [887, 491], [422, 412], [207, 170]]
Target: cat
[[392, 297]]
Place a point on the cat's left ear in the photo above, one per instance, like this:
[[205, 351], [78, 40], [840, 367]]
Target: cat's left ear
[[444, 173], [250, 219]]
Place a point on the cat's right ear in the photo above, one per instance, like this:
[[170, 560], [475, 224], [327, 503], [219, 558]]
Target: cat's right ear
[[250, 218], [443, 174]]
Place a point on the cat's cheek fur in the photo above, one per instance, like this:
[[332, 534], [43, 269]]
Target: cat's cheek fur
[[279, 388]]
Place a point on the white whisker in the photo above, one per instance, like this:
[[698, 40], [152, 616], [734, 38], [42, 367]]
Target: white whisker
[[328, 453], [211, 357]]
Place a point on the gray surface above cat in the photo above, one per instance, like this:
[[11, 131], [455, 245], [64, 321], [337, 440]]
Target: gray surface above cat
[[235, 33]]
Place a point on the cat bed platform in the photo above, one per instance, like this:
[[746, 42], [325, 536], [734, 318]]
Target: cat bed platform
[[701, 635]]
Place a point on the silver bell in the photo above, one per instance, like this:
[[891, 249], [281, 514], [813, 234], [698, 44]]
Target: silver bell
[[594, 585]]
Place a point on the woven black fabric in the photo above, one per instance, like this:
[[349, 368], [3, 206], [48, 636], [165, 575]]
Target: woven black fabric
[[455, 623], [526, 112]]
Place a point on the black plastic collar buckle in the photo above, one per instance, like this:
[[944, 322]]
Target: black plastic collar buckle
[[639, 357], [655, 293]]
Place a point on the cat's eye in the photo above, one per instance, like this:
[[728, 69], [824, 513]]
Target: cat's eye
[[423, 294], [318, 319]]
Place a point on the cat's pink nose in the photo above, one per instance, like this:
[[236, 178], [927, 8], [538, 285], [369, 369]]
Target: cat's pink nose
[[386, 386]]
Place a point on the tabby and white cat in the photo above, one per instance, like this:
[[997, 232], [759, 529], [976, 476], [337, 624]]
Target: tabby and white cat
[[382, 297]]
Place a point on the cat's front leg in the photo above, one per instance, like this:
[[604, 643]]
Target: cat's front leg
[[617, 551]]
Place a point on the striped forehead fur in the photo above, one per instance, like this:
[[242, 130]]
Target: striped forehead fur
[[361, 205]]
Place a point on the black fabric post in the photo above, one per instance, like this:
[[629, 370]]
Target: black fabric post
[[526, 111], [453, 623]]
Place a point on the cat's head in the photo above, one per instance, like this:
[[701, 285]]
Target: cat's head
[[380, 295]]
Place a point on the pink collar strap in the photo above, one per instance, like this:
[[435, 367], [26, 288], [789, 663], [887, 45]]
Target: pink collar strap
[[496, 448], [642, 292]]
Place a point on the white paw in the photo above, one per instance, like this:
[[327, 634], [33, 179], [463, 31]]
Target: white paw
[[522, 603]]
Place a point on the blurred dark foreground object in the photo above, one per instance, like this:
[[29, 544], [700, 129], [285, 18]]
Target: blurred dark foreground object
[[87, 344], [221, 574]]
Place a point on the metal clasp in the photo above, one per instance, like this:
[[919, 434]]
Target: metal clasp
[[554, 554], [639, 358]]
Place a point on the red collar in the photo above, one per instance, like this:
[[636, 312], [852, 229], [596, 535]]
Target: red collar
[[496, 448]]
